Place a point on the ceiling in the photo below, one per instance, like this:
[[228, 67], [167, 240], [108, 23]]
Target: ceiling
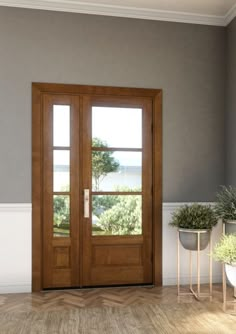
[[211, 12]]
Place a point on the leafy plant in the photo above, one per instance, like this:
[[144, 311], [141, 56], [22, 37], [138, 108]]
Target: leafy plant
[[225, 250], [226, 203], [61, 209], [123, 218], [101, 203], [195, 216], [102, 163]]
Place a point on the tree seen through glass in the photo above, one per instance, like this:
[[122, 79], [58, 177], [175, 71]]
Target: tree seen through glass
[[111, 214]]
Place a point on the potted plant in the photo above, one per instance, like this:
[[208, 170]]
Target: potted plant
[[193, 220], [225, 208], [225, 252]]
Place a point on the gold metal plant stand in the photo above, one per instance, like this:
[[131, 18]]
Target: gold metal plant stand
[[197, 294], [224, 283]]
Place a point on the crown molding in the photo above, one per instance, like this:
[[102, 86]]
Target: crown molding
[[230, 15], [122, 11]]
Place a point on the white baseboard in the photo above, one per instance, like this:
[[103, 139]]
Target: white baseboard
[[15, 288], [16, 250]]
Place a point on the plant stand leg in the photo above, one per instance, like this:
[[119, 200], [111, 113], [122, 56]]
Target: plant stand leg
[[196, 294], [224, 287], [178, 264], [223, 275], [198, 264], [210, 266], [190, 271], [191, 277]]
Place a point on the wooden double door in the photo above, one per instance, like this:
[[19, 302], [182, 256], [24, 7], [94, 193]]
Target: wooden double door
[[97, 189]]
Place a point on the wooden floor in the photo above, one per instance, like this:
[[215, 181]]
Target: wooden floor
[[130, 310]]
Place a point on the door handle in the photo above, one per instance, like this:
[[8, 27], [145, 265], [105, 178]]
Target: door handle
[[86, 203]]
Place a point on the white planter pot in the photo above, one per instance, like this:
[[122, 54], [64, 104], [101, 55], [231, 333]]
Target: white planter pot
[[230, 271]]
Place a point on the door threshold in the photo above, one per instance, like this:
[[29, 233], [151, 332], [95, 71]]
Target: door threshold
[[144, 285]]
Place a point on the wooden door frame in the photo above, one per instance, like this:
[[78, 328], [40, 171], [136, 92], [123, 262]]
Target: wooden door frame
[[38, 89]]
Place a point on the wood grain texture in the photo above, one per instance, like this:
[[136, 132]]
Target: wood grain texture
[[94, 90], [77, 96], [135, 310], [115, 269], [157, 188], [36, 189], [58, 270]]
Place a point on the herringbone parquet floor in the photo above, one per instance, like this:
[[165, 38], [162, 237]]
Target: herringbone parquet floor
[[133, 310], [98, 297]]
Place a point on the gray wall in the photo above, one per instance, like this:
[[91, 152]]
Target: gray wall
[[231, 105], [186, 61]]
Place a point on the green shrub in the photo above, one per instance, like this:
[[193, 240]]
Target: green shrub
[[225, 250], [123, 218], [226, 203], [61, 209], [195, 216]]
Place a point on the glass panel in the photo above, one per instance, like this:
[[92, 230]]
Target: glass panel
[[117, 127], [61, 170], [116, 171], [61, 125], [116, 215], [61, 215]]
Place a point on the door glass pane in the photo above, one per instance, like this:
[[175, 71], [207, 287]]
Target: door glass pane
[[117, 127], [116, 171], [61, 215], [116, 215], [61, 170], [61, 125]]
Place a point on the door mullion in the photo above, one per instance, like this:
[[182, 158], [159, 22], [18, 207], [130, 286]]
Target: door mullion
[[86, 183], [75, 172]]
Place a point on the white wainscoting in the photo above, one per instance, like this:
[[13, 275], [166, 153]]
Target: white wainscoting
[[16, 250]]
